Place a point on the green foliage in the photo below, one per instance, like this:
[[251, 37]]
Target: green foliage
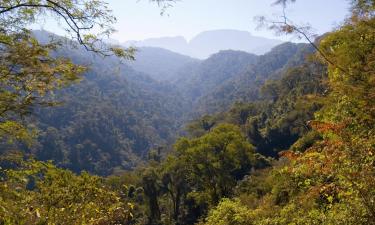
[[35, 192], [352, 100], [204, 170], [195, 176], [229, 212], [28, 74], [216, 160]]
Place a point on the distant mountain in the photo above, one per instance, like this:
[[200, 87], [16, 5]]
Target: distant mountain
[[159, 63], [176, 44], [210, 42]]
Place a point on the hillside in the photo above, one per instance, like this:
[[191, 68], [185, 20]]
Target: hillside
[[245, 86], [109, 120], [119, 112], [198, 79]]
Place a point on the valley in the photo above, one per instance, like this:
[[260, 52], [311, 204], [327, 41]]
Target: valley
[[120, 111], [227, 128]]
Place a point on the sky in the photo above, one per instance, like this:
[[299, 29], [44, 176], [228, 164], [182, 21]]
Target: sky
[[141, 19]]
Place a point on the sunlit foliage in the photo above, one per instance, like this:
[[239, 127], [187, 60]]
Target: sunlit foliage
[[33, 192]]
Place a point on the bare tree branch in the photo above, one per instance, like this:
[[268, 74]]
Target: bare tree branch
[[286, 26], [80, 21]]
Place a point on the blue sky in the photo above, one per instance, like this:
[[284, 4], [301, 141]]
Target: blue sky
[[140, 19]]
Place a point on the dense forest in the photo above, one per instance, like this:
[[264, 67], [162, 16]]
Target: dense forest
[[92, 133]]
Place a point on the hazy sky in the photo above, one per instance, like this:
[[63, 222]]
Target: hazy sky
[[140, 19]]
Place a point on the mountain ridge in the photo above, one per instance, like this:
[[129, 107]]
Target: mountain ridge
[[209, 42]]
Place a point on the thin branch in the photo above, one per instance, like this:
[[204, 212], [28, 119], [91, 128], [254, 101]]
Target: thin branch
[[319, 50], [69, 19], [7, 9], [286, 26]]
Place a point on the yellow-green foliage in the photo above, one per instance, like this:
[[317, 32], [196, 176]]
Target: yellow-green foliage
[[229, 212], [33, 192], [215, 161], [333, 181], [27, 74]]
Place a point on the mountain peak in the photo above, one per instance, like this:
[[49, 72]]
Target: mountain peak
[[207, 43], [224, 31]]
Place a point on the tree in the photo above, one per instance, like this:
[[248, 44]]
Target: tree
[[229, 212], [174, 176], [215, 162], [28, 73], [151, 189]]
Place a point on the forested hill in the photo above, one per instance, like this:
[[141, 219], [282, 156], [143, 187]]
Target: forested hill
[[108, 120], [245, 86], [198, 79], [119, 111]]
